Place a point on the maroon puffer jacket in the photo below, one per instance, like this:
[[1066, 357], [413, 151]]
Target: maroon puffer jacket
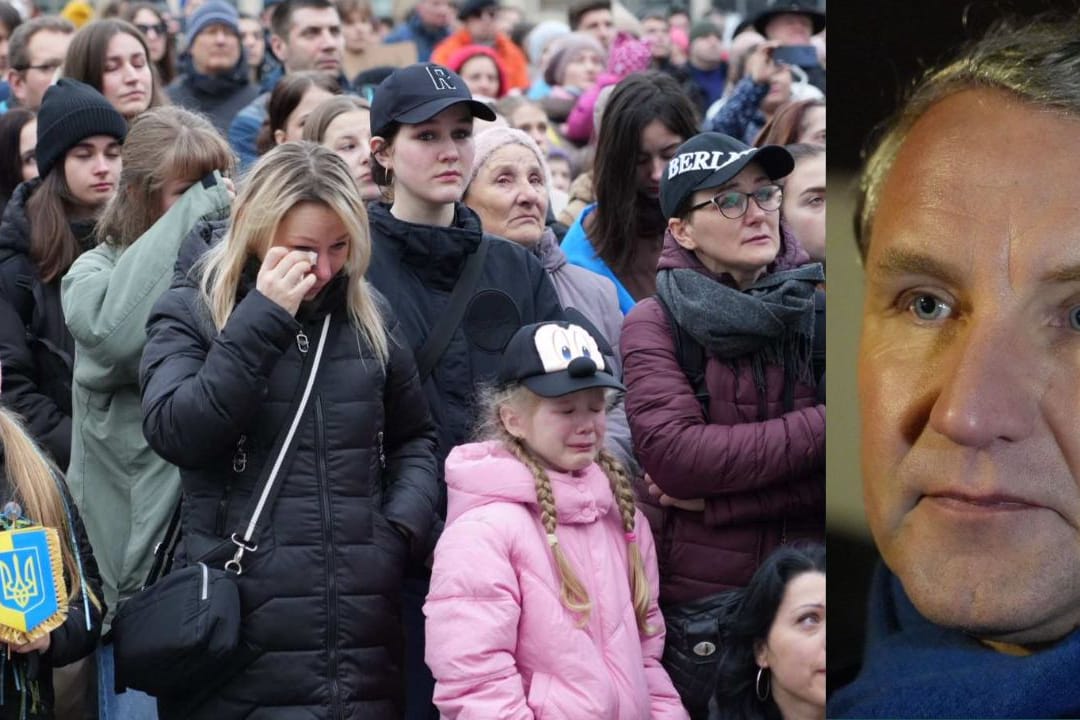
[[763, 480]]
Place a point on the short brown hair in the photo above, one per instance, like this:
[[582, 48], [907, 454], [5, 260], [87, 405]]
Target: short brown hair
[[19, 45], [577, 9]]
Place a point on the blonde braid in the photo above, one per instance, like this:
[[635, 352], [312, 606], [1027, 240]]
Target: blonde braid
[[624, 497], [574, 595]]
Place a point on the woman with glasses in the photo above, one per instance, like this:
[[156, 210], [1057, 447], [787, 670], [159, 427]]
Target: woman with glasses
[[720, 382], [150, 22]]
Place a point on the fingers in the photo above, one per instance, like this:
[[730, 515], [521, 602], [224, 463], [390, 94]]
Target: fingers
[[286, 277]]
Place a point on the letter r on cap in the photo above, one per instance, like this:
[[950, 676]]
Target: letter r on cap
[[440, 78]]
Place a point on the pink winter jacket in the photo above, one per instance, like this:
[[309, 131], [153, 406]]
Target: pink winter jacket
[[499, 641]]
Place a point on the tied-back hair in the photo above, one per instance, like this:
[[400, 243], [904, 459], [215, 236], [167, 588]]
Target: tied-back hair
[[787, 124], [750, 625], [573, 593], [166, 143], [290, 174], [1035, 61], [85, 58], [53, 246], [286, 96], [328, 111], [623, 216], [34, 481]]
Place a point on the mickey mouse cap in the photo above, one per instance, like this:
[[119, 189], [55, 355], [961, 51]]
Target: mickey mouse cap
[[554, 359], [417, 93]]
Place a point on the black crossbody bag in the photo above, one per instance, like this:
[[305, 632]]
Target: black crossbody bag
[[181, 631]]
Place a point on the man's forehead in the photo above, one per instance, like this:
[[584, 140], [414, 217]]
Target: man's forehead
[[982, 172]]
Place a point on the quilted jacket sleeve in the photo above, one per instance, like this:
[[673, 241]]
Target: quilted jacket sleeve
[[413, 494], [197, 392], [472, 625], [688, 457], [804, 497], [663, 699]]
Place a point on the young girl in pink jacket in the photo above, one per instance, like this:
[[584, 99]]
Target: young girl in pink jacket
[[543, 592]]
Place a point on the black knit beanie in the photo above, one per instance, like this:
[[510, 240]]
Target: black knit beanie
[[70, 112]]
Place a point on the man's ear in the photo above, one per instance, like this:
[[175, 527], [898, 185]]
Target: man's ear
[[279, 47], [681, 231], [18, 84]]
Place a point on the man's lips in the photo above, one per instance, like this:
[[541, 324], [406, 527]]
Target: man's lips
[[982, 502]]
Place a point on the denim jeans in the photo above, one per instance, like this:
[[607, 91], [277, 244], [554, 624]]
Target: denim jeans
[[129, 705]]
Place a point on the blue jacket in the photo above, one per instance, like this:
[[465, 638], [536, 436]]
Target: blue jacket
[[916, 669], [412, 30], [579, 251]]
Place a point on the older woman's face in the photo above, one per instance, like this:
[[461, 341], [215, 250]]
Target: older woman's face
[[968, 363], [583, 69], [794, 651], [510, 195]]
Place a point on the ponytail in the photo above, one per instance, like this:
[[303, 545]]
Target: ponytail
[[35, 481]]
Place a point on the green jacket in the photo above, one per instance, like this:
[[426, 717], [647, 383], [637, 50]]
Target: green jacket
[[125, 492]]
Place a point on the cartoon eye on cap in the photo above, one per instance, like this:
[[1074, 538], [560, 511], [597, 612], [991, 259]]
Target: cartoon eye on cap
[[559, 347]]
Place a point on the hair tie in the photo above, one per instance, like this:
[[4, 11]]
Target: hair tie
[[631, 537], [553, 539]]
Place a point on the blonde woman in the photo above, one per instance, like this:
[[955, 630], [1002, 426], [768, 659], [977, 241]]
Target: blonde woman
[[171, 180], [31, 484], [226, 347]]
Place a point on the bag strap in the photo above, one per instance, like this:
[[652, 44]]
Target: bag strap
[[436, 342], [817, 353], [163, 551], [691, 356], [267, 488]]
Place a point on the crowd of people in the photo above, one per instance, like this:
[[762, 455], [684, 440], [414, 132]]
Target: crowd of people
[[482, 359]]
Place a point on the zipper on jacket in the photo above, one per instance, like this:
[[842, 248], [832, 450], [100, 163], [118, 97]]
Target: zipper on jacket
[[239, 461], [239, 465], [382, 451], [302, 341], [328, 545]]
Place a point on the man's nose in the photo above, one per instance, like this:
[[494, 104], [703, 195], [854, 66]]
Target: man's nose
[[990, 385]]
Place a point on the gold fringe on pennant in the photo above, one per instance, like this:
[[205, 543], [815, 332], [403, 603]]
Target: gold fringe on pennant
[[14, 636]]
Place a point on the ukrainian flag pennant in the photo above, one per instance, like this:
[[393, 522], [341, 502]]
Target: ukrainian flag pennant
[[33, 595]]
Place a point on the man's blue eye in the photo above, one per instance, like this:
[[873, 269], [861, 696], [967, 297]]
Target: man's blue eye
[[929, 308]]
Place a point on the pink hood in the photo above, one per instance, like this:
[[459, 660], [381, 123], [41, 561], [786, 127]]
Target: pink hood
[[500, 643]]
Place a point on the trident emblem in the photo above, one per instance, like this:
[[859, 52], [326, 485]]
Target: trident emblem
[[19, 586]]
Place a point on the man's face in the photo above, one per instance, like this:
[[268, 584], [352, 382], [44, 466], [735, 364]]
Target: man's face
[[655, 30], [600, 24], [707, 51], [968, 369], [46, 51], [215, 50], [790, 29], [314, 42], [482, 26], [435, 13]]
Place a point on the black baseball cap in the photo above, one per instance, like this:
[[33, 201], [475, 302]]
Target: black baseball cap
[[554, 359], [418, 93], [711, 159]]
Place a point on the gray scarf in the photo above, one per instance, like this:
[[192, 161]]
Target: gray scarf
[[771, 322]]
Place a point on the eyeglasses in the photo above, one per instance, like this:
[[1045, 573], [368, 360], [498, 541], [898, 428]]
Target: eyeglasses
[[47, 66], [733, 204], [158, 29]]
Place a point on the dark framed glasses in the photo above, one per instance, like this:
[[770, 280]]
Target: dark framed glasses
[[733, 204], [157, 28]]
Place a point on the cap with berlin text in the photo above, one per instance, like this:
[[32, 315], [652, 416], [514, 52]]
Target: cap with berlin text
[[709, 160], [417, 93]]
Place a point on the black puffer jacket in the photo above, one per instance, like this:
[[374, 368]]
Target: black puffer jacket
[[36, 349], [219, 97], [70, 642], [320, 632], [416, 267]]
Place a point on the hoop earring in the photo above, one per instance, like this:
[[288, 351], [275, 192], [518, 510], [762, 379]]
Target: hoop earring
[[762, 695]]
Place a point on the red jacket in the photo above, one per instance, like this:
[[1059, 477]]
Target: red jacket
[[510, 55], [763, 480]]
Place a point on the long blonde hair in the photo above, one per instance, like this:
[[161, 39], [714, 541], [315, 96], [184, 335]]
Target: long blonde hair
[[572, 591], [33, 480], [293, 173], [163, 143]]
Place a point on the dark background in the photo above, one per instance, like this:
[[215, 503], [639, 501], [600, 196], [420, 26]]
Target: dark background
[[876, 48]]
